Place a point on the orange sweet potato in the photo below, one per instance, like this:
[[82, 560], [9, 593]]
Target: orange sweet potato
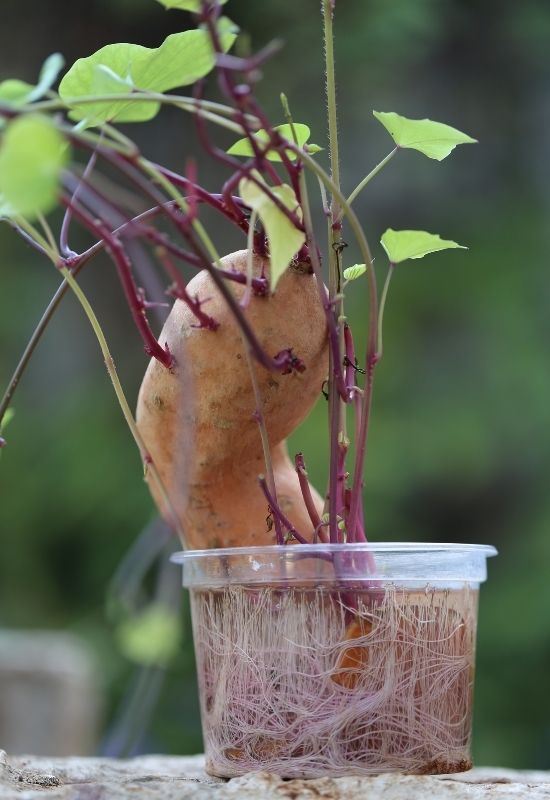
[[198, 419]]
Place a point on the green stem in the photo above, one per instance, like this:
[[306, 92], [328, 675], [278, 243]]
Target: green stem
[[328, 14], [49, 250], [215, 112], [367, 179], [121, 397], [358, 232], [336, 406], [380, 346], [31, 347], [372, 343], [173, 192], [68, 276]]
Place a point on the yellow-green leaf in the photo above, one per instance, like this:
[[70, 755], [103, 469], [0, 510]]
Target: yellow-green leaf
[[32, 155], [352, 273], [18, 92], [152, 638], [433, 139], [244, 148], [284, 238], [15, 92], [186, 5], [402, 245]]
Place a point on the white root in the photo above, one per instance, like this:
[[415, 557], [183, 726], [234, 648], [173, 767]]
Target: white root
[[312, 682]]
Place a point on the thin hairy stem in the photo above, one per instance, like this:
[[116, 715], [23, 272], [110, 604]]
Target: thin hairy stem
[[336, 404], [330, 74], [372, 342]]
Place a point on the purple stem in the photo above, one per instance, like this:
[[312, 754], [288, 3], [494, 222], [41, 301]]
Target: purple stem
[[243, 170], [284, 361], [332, 324], [146, 231], [242, 98], [280, 144], [122, 263], [75, 265], [307, 497], [179, 290], [351, 361], [28, 239], [278, 515], [65, 225], [334, 467], [233, 212], [341, 478], [357, 489]]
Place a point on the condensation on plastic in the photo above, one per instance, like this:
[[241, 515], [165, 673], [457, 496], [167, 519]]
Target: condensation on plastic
[[403, 563]]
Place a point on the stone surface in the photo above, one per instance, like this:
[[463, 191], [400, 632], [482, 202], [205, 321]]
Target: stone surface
[[171, 778], [50, 702]]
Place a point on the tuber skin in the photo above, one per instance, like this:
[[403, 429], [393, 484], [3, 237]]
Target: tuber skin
[[198, 420]]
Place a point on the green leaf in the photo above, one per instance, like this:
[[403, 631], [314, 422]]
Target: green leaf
[[15, 92], [181, 59], [186, 5], [402, 245], [433, 139], [244, 148], [352, 273], [51, 68], [284, 238], [18, 92], [152, 638], [32, 155]]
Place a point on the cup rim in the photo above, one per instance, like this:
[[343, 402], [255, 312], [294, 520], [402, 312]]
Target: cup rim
[[488, 551]]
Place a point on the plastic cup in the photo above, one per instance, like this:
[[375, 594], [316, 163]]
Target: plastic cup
[[330, 660]]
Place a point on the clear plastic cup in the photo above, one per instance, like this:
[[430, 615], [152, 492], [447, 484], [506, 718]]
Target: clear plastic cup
[[328, 660]]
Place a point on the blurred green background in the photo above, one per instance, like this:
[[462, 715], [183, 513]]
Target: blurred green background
[[460, 447]]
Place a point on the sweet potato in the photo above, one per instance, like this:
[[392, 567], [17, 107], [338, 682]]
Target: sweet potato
[[198, 420]]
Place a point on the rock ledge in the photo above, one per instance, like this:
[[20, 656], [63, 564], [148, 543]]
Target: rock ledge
[[180, 778]]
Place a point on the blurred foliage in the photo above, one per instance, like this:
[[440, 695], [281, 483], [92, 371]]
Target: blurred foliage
[[460, 446]]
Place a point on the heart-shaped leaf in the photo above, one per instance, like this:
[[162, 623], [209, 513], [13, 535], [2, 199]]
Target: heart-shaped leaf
[[402, 245], [433, 139], [244, 148], [181, 59], [284, 238]]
